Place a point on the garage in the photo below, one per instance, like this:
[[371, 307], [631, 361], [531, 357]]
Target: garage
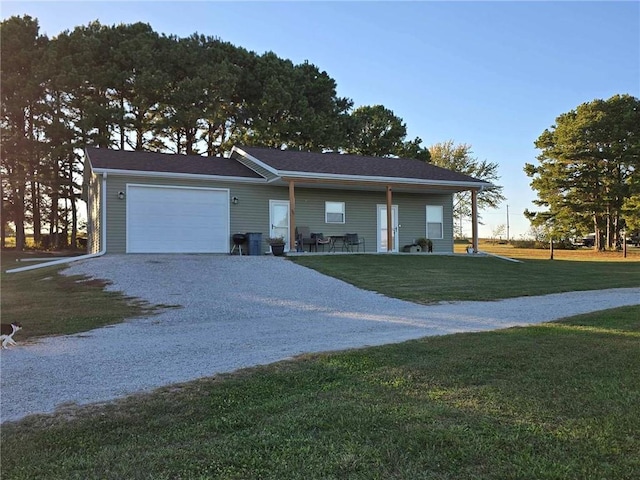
[[175, 219]]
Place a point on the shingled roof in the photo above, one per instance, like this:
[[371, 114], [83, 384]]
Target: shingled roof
[[289, 161], [258, 163], [107, 159]]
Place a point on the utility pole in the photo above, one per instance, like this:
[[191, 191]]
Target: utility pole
[[507, 223]]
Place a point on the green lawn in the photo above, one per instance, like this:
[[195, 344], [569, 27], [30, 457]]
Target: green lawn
[[554, 401], [47, 303], [432, 278]]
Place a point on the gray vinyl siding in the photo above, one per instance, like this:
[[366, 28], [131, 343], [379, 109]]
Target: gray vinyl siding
[[94, 213], [360, 212], [361, 215], [116, 215], [251, 213], [412, 216]]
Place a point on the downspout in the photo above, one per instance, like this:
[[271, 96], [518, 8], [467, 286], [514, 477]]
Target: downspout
[[103, 243]]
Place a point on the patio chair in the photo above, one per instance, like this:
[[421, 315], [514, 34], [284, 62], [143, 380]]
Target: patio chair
[[303, 237], [352, 240], [319, 241]]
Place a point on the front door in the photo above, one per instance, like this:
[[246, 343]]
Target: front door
[[382, 228], [279, 220]]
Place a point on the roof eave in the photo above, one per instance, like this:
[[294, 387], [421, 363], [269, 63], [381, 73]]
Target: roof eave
[[88, 157], [266, 166], [378, 179], [192, 176]]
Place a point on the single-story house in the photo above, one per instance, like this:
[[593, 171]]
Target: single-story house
[[144, 202]]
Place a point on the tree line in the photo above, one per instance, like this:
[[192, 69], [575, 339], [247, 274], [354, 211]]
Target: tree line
[[588, 172], [128, 87]]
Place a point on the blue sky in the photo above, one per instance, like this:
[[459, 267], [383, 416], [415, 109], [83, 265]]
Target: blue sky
[[490, 74]]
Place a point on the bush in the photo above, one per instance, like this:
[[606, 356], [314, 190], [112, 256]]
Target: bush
[[557, 244], [564, 244], [526, 244]]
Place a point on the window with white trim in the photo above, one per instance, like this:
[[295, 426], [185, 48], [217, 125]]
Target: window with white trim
[[334, 212], [434, 222]]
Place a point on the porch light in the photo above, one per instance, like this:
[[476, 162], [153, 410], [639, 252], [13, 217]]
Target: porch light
[[121, 195]]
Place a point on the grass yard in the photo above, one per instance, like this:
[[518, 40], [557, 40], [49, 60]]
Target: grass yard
[[47, 303], [426, 278], [553, 401], [579, 254]]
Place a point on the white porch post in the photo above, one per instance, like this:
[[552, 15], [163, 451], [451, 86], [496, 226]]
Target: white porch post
[[474, 219], [292, 217], [389, 220]]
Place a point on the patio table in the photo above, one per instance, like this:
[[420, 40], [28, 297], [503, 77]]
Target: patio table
[[332, 242]]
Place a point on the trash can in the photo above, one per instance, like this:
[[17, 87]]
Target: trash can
[[254, 243]]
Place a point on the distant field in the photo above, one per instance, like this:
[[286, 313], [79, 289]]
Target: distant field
[[11, 258], [580, 254], [10, 242]]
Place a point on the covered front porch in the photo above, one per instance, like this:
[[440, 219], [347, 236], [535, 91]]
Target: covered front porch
[[378, 206]]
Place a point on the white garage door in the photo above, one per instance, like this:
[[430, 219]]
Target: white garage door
[[177, 220]]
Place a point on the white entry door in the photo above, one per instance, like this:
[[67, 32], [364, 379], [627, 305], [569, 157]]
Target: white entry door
[[382, 228], [279, 220]]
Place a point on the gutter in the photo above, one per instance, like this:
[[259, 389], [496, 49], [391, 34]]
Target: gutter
[[188, 176], [103, 243], [481, 185]]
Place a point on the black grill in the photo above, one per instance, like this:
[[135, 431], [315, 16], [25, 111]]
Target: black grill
[[239, 238]]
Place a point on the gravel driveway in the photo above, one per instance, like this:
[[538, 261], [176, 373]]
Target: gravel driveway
[[238, 312]]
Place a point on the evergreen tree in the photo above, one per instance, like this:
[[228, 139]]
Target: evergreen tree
[[588, 169], [377, 131], [21, 50], [127, 87]]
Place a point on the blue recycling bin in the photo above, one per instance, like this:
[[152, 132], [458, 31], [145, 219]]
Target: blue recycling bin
[[254, 243]]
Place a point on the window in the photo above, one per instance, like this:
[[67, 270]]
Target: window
[[434, 222], [334, 212]]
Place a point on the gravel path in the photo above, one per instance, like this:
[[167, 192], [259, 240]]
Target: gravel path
[[239, 312]]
